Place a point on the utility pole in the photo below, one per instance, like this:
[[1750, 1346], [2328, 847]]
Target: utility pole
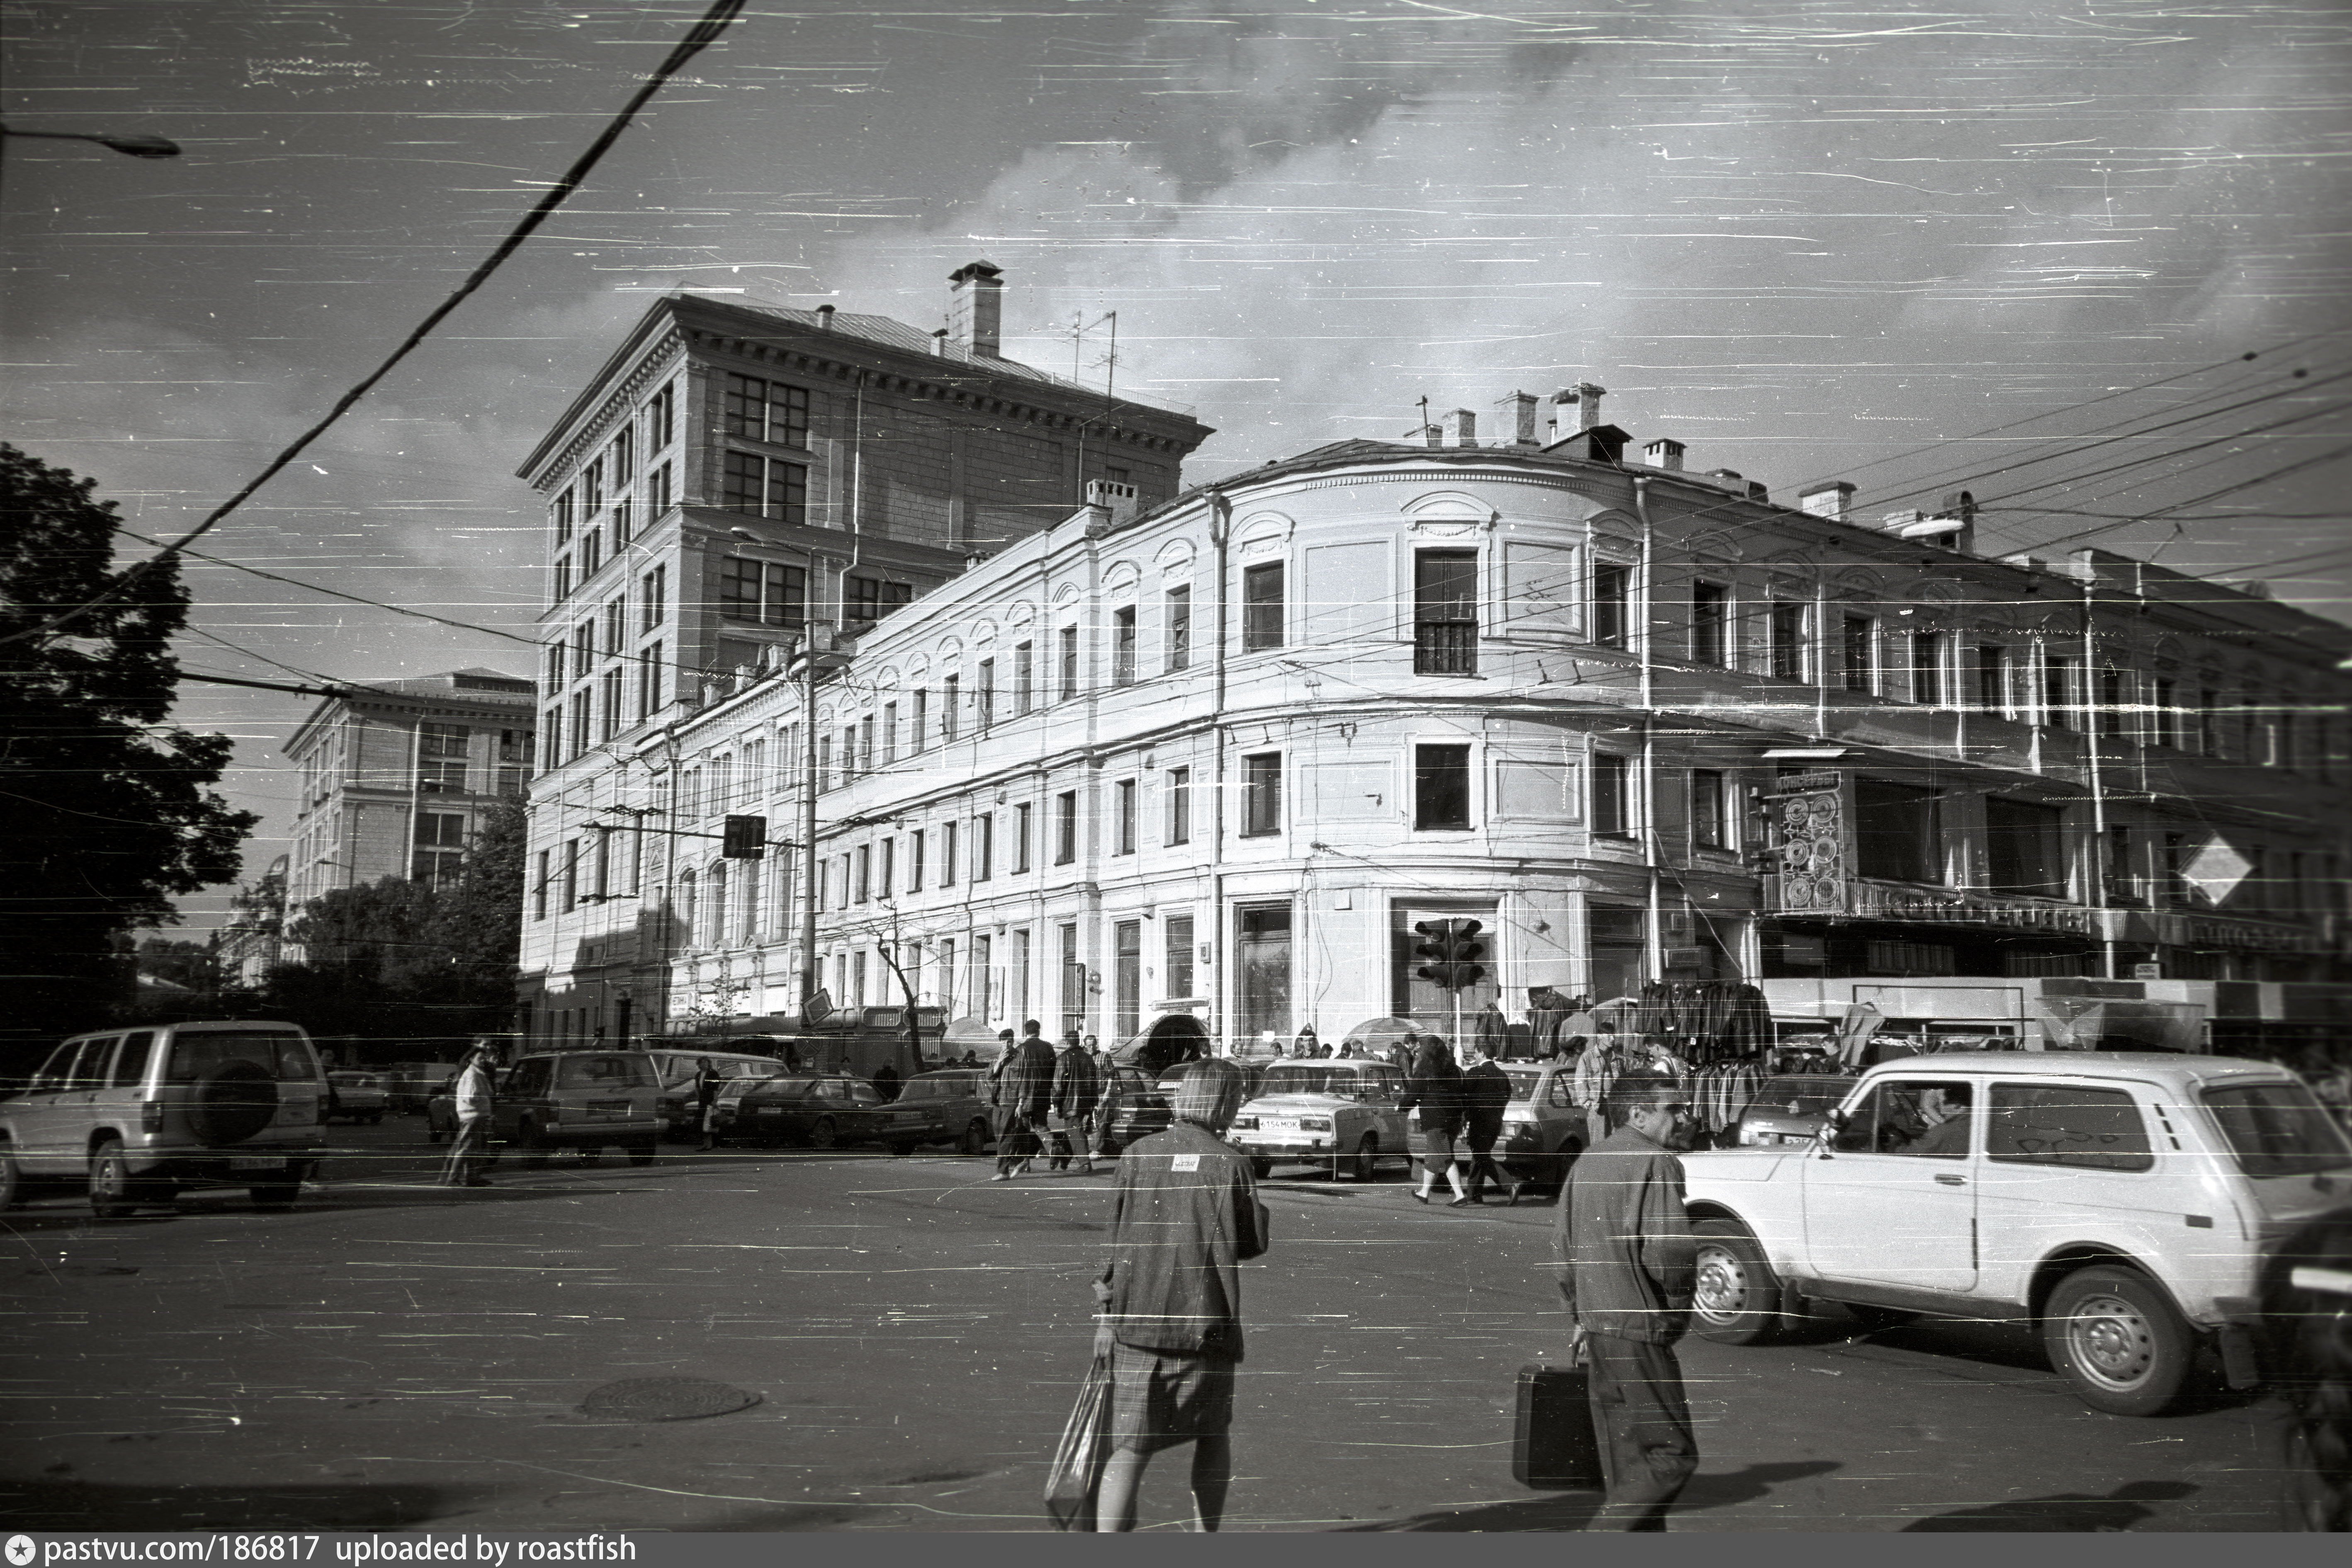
[[816, 657]]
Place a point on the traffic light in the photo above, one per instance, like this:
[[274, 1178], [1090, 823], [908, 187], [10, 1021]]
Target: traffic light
[[1452, 949], [747, 839]]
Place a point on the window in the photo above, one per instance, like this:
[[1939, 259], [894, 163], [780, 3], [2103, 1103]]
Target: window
[[554, 683], [1895, 832], [766, 487], [1066, 827], [889, 733], [1127, 977], [1179, 611], [1025, 677], [917, 843], [2164, 726], [592, 488], [1445, 613], [610, 694], [1710, 815], [616, 620], [868, 598], [2278, 1130], [1179, 805], [1861, 653], [1921, 1117], [866, 743], [1069, 650], [1709, 601], [918, 720], [2114, 695], [824, 763], [1609, 582], [1992, 678], [2023, 849], [1927, 668], [1611, 796], [653, 599], [592, 552], [1178, 975], [561, 588], [438, 847], [1787, 627], [661, 417], [658, 493], [441, 754], [1261, 607], [620, 524], [865, 883], [2057, 691], [553, 726], [1020, 815], [1122, 646], [570, 872], [2209, 729], [1074, 983], [561, 516], [946, 853], [2061, 1124], [604, 878], [984, 696], [759, 410], [1125, 796], [623, 455], [1441, 788], [649, 680], [539, 888], [949, 692], [1260, 794]]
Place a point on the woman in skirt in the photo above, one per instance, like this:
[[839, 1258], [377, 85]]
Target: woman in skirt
[[1433, 1091]]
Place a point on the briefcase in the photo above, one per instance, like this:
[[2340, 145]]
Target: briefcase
[[1553, 1448]]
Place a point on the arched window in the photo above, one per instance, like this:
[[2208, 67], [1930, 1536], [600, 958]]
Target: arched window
[[715, 936]]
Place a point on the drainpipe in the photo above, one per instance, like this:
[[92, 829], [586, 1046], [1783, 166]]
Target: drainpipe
[[2100, 871], [1653, 956], [1221, 521]]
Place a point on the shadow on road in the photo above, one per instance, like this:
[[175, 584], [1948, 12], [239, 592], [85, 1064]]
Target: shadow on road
[[2076, 1512], [68, 1504], [1573, 1510]]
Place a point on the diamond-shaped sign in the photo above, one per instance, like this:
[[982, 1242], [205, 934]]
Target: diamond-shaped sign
[[2216, 869]]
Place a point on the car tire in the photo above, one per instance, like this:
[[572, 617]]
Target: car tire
[[2111, 1332], [113, 1193], [902, 1149], [1261, 1168], [276, 1197], [537, 1147], [975, 1138], [1737, 1297], [1364, 1165], [821, 1134], [640, 1153]]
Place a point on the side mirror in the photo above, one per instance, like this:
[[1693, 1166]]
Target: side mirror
[[1833, 1122]]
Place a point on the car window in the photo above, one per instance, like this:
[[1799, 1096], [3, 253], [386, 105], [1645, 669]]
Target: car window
[[2066, 1125], [1301, 1081], [1560, 1084], [530, 1077], [2278, 1129], [750, 1067], [60, 1063], [89, 1069], [281, 1054], [1522, 1086], [861, 1094], [1928, 1117]]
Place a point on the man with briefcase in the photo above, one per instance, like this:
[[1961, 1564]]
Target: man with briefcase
[[1628, 1263]]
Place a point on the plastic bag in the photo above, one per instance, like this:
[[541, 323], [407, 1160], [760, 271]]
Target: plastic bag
[[1077, 1471]]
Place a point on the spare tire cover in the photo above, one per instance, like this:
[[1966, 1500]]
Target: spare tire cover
[[232, 1102]]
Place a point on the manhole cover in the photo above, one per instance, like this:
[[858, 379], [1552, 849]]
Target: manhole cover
[[665, 1399]]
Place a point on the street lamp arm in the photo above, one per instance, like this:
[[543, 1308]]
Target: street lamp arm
[[132, 146]]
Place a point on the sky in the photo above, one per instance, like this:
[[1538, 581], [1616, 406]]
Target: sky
[[1919, 246]]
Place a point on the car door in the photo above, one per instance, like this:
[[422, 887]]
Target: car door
[[40, 1115], [115, 1100], [1891, 1197], [2068, 1162], [1383, 1087]]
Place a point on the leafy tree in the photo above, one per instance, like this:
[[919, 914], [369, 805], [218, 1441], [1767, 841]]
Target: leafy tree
[[192, 966], [106, 810]]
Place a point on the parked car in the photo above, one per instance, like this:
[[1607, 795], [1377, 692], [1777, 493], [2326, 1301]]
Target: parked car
[[360, 1096], [137, 1115], [1793, 1109], [954, 1103], [2119, 1201], [1338, 1114], [1543, 1129], [822, 1111], [441, 1110], [674, 1103], [1140, 1102], [411, 1083], [586, 1100]]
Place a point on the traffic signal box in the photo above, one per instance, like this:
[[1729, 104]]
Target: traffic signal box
[[1452, 949], [747, 839]]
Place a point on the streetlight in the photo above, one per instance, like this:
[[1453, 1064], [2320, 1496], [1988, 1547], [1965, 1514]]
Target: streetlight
[[132, 146]]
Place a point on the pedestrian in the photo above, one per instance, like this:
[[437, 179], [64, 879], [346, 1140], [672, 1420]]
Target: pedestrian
[[1485, 1091], [1433, 1091], [1627, 1267], [1185, 1216], [2306, 1326], [469, 1146], [1022, 1091], [886, 1083], [1078, 1089], [707, 1081], [1309, 1046]]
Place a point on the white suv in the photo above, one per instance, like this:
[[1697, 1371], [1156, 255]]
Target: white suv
[[139, 1114], [2121, 1202]]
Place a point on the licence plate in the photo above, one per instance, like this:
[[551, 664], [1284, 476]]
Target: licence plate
[[1278, 1124], [256, 1163]]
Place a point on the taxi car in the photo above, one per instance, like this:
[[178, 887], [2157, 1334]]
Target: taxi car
[[1342, 1115], [2121, 1202], [820, 1111]]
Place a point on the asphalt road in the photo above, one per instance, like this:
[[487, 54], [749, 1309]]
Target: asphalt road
[[392, 1354]]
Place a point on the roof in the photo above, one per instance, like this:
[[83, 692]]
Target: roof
[[493, 687], [2079, 1063]]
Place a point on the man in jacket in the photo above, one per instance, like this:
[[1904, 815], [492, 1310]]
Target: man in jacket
[[1185, 1216], [1076, 1089], [469, 1149], [1485, 1091], [1022, 1093], [1627, 1262], [707, 1084]]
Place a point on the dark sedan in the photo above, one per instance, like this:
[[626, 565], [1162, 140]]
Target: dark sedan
[[954, 1106], [822, 1111]]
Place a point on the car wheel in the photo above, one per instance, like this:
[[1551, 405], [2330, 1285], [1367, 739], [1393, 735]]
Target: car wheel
[[275, 1196], [1735, 1299], [111, 1192], [902, 1149], [1261, 1168], [641, 1152], [975, 1138], [536, 1145], [822, 1135], [1875, 1320], [2111, 1333], [12, 1181], [1365, 1164]]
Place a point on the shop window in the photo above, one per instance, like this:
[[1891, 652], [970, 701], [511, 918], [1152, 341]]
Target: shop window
[[1262, 970], [2024, 848], [1894, 831]]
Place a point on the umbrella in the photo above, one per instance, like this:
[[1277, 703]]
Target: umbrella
[[1378, 1034]]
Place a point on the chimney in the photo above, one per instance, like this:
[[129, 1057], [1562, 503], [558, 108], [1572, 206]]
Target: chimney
[[976, 309], [1517, 414], [1461, 428], [1560, 401], [1830, 498], [1428, 435], [1665, 453], [1588, 404], [1728, 477], [1759, 491], [1114, 498], [940, 341], [825, 317]]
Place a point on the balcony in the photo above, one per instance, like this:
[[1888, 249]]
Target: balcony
[[1445, 648]]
